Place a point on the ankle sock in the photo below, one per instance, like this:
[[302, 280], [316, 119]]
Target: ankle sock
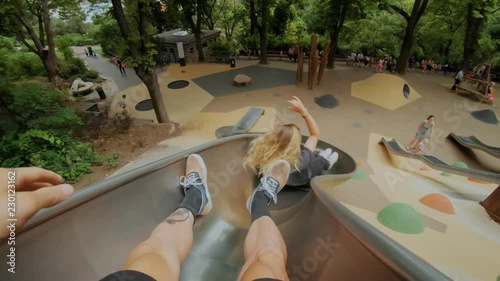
[[192, 201], [259, 205]]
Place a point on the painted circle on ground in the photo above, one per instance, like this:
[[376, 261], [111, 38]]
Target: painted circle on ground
[[178, 84], [327, 101], [401, 217], [144, 105], [406, 90]]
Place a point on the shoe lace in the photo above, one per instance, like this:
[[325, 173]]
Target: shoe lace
[[191, 180], [270, 186]]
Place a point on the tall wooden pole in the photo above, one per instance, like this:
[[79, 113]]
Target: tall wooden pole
[[300, 64], [324, 59], [313, 64]]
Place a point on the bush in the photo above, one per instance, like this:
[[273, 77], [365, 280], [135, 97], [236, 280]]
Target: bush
[[18, 65], [38, 132]]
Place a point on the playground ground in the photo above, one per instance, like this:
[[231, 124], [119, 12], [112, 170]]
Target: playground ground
[[458, 237]]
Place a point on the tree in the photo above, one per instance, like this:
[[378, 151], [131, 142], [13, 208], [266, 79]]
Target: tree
[[339, 11], [281, 16], [16, 22], [264, 14], [232, 16], [141, 51], [419, 7], [477, 14], [190, 9], [327, 17], [259, 18]]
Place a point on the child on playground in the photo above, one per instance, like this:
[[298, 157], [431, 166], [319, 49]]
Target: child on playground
[[421, 136], [284, 142], [380, 65], [489, 96]]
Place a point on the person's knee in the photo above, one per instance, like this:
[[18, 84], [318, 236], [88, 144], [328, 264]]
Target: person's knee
[[267, 264]]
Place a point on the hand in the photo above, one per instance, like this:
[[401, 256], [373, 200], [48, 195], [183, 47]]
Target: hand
[[297, 106], [24, 191]]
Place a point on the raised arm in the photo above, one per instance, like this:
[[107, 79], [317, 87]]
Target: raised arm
[[297, 106]]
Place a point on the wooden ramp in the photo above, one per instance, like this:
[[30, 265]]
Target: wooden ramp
[[492, 205]]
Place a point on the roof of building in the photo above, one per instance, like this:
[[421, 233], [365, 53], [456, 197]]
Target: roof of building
[[179, 35]]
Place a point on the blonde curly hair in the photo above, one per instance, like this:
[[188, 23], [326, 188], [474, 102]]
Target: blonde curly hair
[[281, 143]]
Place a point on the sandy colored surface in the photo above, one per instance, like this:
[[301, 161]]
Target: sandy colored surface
[[464, 245], [384, 90]]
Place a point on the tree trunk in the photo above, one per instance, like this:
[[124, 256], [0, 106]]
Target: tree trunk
[[334, 35], [447, 51], [405, 49], [197, 32], [148, 78], [51, 58], [418, 10], [151, 82], [263, 32], [253, 17], [471, 34]]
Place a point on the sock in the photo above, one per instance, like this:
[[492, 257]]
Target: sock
[[259, 206], [192, 201]]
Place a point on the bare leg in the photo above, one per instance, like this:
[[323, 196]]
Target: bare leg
[[161, 255], [412, 144], [264, 248], [417, 145], [265, 252]]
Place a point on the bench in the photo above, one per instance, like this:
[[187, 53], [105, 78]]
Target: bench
[[242, 79]]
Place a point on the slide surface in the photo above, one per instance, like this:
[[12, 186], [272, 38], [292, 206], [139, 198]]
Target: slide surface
[[474, 143], [394, 147], [90, 235]]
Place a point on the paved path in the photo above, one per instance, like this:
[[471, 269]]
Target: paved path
[[105, 67]]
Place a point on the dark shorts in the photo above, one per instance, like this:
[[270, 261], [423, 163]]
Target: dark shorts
[[139, 276], [311, 165], [128, 275], [429, 67]]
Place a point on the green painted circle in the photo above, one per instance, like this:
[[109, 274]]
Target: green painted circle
[[445, 174], [498, 278], [402, 218], [460, 165], [359, 174]]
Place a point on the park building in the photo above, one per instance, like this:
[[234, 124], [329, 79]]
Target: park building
[[169, 41]]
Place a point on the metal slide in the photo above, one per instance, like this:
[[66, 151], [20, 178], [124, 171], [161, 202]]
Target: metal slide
[[90, 235], [394, 147], [474, 143]]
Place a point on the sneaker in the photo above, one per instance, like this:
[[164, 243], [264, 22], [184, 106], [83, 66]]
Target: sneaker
[[197, 177], [333, 159], [272, 182], [326, 153]]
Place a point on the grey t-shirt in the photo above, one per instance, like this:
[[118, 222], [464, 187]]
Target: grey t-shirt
[[310, 165]]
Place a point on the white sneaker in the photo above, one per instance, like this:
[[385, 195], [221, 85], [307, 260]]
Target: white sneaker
[[326, 153], [332, 159]]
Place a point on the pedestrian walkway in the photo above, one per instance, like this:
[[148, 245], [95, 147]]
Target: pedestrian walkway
[[104, 66]]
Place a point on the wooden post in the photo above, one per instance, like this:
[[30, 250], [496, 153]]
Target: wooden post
[[492, 205], [312, 61], [300, 64], [324, 59]]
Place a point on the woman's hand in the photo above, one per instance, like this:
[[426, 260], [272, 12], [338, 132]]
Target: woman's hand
[[297, 106]]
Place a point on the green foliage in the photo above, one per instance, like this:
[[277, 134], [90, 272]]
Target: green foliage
[[371, 36], [18, 64], [36, 131], [281, 16], [113, 159], [39, 107], [64, 44], [109, 37]]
